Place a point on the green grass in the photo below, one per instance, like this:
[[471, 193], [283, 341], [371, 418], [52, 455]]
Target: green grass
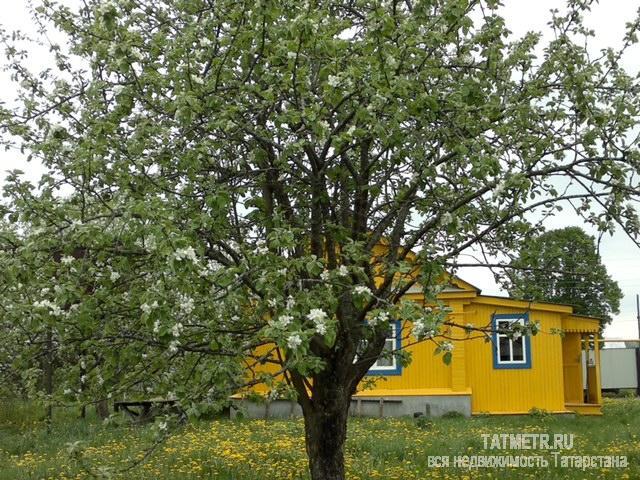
[[246, 449]]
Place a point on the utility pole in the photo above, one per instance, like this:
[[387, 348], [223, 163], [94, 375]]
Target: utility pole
[[638, 347]]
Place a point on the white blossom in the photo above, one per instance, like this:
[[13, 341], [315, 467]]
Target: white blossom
[[291, 303], [324, 276], [498, 190], [447, 218], [317, 315], [418, 328], [54, 309], [292, 55], [186, 304], [176, 330], [319, 318], [447, 346], [321, 328], [333, 81], [186, 253], [205, 42], [294, 341], [114, 276], [197, 79], [362, 290], [380, 317], [137, 54], [146, 308], [162, 426], [282, 322], [156, 326], [343, 271], [67, 260], [173, 346]]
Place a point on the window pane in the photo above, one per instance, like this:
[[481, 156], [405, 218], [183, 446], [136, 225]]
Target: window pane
[[518, 349], [503, 343], [504, 324], [384, 362]]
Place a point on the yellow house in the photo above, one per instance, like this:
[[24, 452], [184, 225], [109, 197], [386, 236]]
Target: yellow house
[[495, 375], [488, 373]]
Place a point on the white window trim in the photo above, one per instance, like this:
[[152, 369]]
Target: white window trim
[[504, 335], [393, 366]]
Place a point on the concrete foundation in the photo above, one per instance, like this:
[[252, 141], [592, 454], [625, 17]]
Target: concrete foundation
[[429, 405]]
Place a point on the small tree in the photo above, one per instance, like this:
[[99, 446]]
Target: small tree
[[564, 266], [221, 176]]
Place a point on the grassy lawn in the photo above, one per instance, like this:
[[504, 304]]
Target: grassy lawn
[[258, 449]]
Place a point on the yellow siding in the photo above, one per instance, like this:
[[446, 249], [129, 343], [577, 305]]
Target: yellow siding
[[517, 390], [472, 372], [572, 366], [425, 371]]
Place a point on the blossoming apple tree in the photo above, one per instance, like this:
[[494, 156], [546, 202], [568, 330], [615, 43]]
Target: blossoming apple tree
[[221, 176]]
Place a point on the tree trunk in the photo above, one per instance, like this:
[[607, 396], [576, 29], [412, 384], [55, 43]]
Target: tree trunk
[[102, 409], [48, 378], [325, 435]]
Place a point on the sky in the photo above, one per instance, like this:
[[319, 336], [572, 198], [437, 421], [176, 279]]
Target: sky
[[607, 19]]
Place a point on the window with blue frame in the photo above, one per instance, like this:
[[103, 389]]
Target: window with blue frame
[[510, 350], [388, 364]]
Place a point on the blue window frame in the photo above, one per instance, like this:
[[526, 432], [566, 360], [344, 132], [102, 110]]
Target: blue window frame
[[510, 353], [389, 365]]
